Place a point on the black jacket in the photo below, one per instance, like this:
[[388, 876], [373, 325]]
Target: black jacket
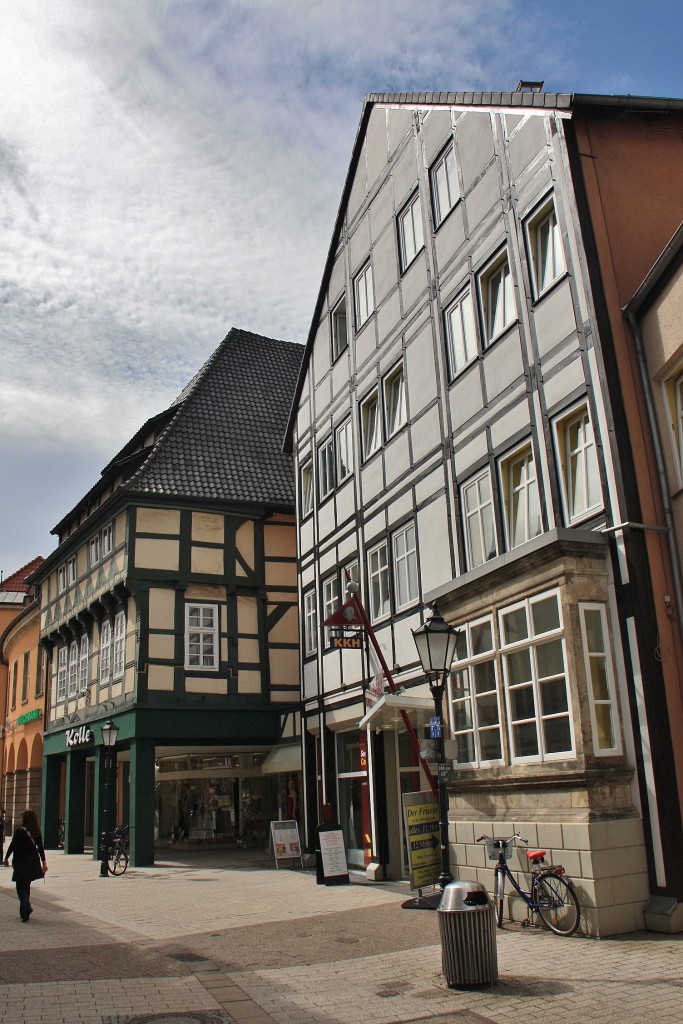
[[28, 855]]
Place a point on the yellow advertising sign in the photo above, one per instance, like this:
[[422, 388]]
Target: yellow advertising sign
[[423, 838]]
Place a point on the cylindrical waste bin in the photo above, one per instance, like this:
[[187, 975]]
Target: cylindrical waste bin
[[468, 935]]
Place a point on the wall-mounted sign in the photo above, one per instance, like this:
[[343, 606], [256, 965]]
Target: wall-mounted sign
[[79, 737], [347, 643], [29, 716]]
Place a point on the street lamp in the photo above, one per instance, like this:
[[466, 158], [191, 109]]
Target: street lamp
[[436, 642], [109, 734]]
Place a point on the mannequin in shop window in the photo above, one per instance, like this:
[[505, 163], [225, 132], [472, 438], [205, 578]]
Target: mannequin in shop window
[[292, 801]]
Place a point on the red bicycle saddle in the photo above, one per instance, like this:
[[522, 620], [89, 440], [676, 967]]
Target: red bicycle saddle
[[535, 855]]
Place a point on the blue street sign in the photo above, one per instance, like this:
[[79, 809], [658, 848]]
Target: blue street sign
[[434, 727]]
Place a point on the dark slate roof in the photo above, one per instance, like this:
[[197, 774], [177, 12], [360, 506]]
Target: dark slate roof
[[16, 583], [224, 441]]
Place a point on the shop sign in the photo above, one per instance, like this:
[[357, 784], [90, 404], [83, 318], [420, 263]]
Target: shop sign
[[333, 855], [347, 643], [423, 838], [79, 737], [30, 716]]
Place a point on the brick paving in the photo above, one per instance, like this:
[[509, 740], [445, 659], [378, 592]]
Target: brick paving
[[206, 939]]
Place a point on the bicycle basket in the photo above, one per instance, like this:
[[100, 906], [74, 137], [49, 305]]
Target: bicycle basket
[[495, 847]]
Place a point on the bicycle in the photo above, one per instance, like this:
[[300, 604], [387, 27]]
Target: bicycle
[[117, 850], [551, 894]]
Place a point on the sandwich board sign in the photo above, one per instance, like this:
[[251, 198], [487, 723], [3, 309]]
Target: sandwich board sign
[[284, 835], [423, 838]]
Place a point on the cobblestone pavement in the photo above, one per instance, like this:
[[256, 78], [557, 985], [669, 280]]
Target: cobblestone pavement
[[208, 938]]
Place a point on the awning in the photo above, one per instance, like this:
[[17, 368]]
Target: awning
[[286, 758], [386, 713]]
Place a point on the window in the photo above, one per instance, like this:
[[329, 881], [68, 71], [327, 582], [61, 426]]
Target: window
[[405, 566], [15, 676], [340, 337], [600, 679], [535, 677], [370, 425], [395, 400], [326, 468], [461, 335], [480, 533], [41, 673], [107, 540], [497, 299], [61, 579], [545, 246], [71, 571], [73, 668], [378, 573], [25, 676], [344, 451], [307, 489], [579, 464], [475, 704], [119, 645], [83, 664], [330, 600], [364, 296], [95, 549], [310, 623], [62, 669], [105, 652], [445, 188], [410, 232], [522, 506], [201, 637]]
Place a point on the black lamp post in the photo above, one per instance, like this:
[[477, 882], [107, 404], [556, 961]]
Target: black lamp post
[[109, 734], [436, 642]]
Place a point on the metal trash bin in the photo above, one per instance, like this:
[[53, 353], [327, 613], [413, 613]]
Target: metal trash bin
[[467, 925]]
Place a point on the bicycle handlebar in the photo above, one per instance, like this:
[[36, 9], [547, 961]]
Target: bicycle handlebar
[[501, 839]]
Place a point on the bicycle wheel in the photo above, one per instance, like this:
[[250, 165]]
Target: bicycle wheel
[[118, 861], [557, 904], [499, 896]]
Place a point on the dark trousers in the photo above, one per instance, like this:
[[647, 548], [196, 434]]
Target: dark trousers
[[24, 894]]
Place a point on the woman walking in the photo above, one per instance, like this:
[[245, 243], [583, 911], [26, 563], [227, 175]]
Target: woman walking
[[29, 861]]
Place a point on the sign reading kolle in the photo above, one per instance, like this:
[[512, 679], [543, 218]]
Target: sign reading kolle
[[79, 737]]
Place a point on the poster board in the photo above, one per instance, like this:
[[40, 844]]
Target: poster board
[[423, 838], [284, 835], [335, 870]]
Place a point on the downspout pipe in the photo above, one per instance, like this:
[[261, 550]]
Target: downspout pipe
[[674, 556]]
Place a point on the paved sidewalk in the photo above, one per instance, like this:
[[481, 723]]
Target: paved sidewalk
[[204, 937]]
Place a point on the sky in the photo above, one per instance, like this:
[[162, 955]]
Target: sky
[[170, 169]]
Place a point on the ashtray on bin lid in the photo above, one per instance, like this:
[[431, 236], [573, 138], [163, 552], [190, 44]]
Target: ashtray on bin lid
[[463, 895]]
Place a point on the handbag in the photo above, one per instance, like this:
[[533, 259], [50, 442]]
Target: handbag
[[35, 870]]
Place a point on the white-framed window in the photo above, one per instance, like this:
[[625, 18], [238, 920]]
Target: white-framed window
[[339, 329], [25, 676], [445, 186], [535, 676], [545, 247], [330, 600], [94, 549], [73, 668], [600, 679], [520, 492], [119, 645], [461, 333], [71, 570], [405, 566], [105, 652], [370, 424], [41, 673], [107, 540], [15, 679], [307, 489], [61, 579], [395, 400], [579, 463], [326, 468], [83, 657], [62, 671], [378, 577], [201, 637], [480, 530], [410, 234], [497, 297], [475, 699], [310, 623], [364, 295], [344, 437]]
